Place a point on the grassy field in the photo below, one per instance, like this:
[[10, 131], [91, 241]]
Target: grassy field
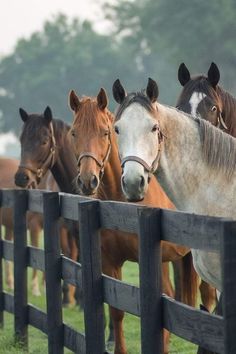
[[74, 317]]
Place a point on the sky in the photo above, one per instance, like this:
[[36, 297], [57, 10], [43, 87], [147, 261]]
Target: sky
[[19, 18]]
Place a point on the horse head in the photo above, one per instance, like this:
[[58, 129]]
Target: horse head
[[201, 95], [91, 137], [38, 148], [136, 123]]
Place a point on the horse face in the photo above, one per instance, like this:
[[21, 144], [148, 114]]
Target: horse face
[[36, 141], [90, 137], [134, 129], [199, 96]]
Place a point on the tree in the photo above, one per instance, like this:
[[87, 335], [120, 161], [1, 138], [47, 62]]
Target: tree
[[65, 55], [168, 32]]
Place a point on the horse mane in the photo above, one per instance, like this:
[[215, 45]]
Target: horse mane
[[134, 97], [219, 148], [90, 115]]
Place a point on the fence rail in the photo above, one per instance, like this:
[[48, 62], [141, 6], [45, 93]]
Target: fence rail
[[155, 309]]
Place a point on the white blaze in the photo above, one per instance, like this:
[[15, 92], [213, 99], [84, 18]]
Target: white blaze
[[194, 101]]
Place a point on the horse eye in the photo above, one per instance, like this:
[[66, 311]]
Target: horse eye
[[155, 128], [106, 132], [44, 142], [213, 108], [116, 129], [73, 133]]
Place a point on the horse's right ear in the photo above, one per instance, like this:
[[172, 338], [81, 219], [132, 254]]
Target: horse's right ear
[[152, 90], [24, 115], [183, 74], [48, 114], [118, 91], [213, 75], [74, 102]]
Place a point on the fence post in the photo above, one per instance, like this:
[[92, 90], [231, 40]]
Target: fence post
[[1, 270], [51, 214], [228, 252], [20, 267], [150, 281], [89, 223]]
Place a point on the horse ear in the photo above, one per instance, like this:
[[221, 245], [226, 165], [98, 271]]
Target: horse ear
[[118, 91], [24, 115], [74, 101], [48, 114], [102, 99], [152, 90], [213, 75], [183, 74]]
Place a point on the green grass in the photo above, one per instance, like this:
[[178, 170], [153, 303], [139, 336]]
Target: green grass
[[74, 317]]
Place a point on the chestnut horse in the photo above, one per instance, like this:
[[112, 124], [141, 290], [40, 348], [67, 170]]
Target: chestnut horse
[[8, 168], [202, 96], [99, 174]]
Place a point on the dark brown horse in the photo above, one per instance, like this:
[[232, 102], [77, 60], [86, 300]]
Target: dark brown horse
[[40, 154], [99, 174], [202, 96]]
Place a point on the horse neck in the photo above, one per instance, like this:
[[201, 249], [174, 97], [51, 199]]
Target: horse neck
[[64, 169], [182, 173], [110, 186], [229, 110]]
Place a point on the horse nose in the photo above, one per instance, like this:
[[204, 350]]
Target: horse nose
[[139, 183], [21, 179], [87, 185]]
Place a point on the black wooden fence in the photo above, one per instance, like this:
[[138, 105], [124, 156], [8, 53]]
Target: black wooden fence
[[154, 309]]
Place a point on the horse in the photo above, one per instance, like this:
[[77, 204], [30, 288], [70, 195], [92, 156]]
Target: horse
[[99, 174], [39, 151], [202, 96], [8, 168], [193, 161]]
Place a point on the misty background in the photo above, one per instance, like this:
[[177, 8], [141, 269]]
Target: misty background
[[129, 40]]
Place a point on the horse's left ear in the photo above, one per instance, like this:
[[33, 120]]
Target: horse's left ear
[[183, 74], [74, 101], [213, 75], [118, 91], [48, 114], [102, 99], [152, 90], [24, 115]]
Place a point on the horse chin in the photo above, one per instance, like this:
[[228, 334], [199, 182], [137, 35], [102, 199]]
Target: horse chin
[[135, 200]]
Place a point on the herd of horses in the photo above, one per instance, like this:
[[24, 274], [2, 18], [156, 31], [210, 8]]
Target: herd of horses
[[145, 153]]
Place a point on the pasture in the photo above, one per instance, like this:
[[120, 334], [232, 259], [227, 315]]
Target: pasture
[[74, 317]]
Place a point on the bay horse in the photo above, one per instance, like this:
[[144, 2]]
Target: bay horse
[[202, 96], [178, 149], [99, 174], [8, 168], [39, 156]]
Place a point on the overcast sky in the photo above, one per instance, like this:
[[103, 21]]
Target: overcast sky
[[19, 18]]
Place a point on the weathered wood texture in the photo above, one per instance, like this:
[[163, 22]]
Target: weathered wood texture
[[229, 285], [20, 269], [196, 326], [89, 223], [53, 272], [150, 281]]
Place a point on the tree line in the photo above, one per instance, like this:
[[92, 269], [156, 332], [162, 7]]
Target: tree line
[[150, 38]]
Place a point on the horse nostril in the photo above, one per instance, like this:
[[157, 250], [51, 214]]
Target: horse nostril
[[142, 181], [79, 182], [21, 179], [94, 182]]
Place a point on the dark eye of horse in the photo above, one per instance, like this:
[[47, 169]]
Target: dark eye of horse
[[213, 108], [155, 128], [73, 133], [44, 142], [116, 129], [106, 132]]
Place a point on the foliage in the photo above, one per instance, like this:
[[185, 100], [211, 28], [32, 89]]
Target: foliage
[[168, 32], [42, 70]]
